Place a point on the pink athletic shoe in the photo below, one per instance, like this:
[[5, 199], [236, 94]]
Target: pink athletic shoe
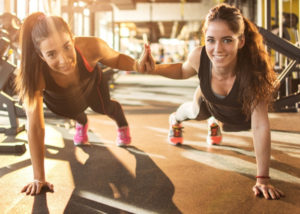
[[214, 136], [81, 137], [123, 138]]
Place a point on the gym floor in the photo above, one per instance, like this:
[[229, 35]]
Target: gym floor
[[152, 176]]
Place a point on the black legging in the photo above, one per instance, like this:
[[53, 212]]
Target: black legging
[[100, 102], [197, 110]]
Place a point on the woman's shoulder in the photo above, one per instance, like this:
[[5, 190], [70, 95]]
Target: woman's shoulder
[[194, 57], [88, 42], [89, 47], [196, 52]]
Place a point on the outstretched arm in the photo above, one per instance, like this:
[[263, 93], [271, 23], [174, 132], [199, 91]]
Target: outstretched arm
[[96, 50], [36, 133], [262, 146], [174, 71]]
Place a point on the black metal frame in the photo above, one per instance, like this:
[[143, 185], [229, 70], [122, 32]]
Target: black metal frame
[[290, 102], [9, 104]]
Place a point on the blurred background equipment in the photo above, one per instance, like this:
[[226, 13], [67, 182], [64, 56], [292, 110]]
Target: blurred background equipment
[[9, 34], [7, 102], [10, 27]]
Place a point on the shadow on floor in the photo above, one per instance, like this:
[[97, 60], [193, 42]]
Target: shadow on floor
[[103, 184]]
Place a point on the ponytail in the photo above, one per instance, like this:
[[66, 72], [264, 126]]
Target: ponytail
[[35, 29], [257, 79], [28, 73]]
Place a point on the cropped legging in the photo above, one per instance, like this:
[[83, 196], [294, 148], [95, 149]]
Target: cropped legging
[[100, 102], [195, 110]]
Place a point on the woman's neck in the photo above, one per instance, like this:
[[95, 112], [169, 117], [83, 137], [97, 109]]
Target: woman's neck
[[223, 72]]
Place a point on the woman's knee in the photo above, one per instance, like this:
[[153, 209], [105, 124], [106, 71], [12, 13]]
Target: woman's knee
[[113, 107], [186, 111]]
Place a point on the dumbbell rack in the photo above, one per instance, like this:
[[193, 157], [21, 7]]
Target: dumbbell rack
[[10, 105]]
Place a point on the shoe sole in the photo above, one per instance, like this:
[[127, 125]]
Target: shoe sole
[[214, 144], [123, 144], [210, 142], [174, 144], [82, 143]]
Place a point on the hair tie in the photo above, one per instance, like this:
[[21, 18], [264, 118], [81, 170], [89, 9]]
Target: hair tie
[[263, 176]]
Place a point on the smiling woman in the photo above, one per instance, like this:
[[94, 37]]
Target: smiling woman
[[59, 54], [236, 84], [64, 72], [222, 46]]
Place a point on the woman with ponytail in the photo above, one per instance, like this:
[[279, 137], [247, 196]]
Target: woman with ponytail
[[63, 72], [237, 83]]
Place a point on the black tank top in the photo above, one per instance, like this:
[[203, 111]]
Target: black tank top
[[72, 100], [228, 109]]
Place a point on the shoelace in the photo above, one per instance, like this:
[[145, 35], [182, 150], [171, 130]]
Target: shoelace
[[80, 130], [123, 135], [214, 130], [177, 130]]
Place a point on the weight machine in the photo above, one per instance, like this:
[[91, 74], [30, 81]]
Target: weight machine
[[7, 102], [288, 99], [289, 102]]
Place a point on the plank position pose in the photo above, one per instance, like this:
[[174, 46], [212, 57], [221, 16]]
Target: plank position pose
[[236, 86], [64, 72]]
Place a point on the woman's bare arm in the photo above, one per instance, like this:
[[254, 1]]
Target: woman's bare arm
[[36, 135], [177, 70], [262, 146], [95, 50]]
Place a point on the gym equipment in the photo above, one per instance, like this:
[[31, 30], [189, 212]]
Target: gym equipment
[[11, 24], [289, 102], [8, 103], [110, 75]]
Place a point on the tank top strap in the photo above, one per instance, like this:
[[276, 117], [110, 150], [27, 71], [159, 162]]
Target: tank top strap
[[204, 72], [86, 63]]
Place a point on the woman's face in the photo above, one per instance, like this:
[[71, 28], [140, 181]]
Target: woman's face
[[59, 53], [222, 45]]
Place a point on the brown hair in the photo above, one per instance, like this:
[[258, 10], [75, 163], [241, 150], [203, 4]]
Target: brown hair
[[35, 28], [255, 73]]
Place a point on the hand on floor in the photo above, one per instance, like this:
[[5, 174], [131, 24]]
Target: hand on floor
[[35, 187], [267, 190]]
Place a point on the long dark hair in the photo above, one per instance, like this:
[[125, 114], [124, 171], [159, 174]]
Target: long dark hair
[[255, 73], [36, 27]]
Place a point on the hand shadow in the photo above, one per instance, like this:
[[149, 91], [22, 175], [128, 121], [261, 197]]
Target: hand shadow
[[40, 202]]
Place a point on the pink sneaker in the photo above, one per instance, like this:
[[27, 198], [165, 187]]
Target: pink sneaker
[[81, 137], [214, 136], [123, 138]]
